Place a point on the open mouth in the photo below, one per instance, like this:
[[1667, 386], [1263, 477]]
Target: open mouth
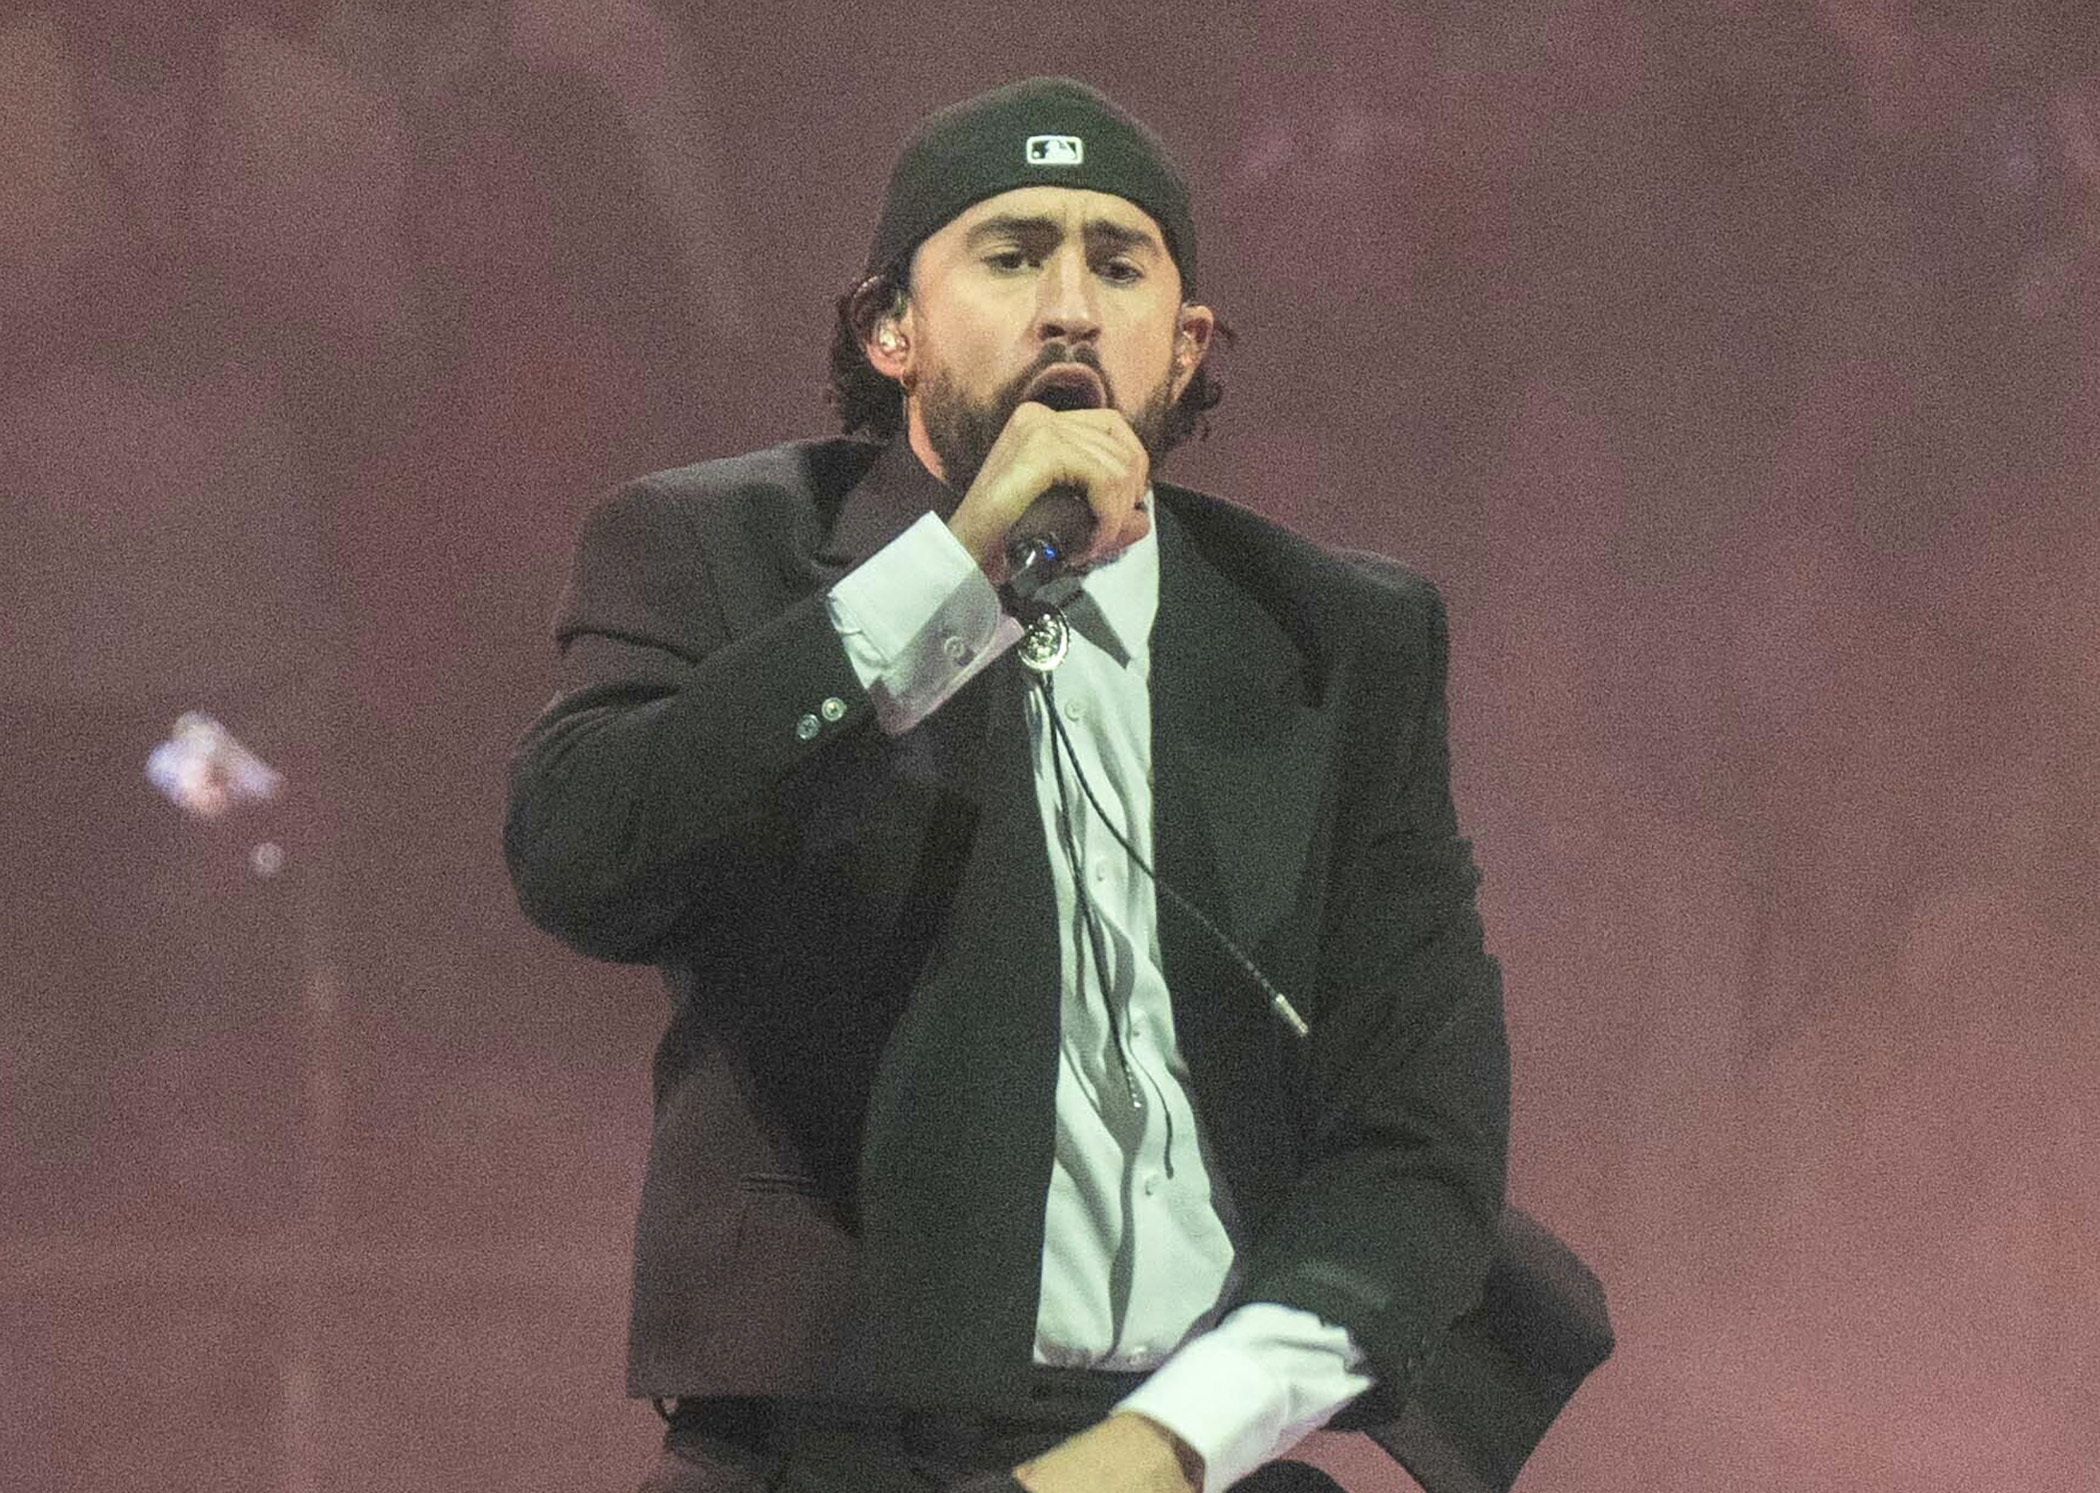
[[1068, 386]]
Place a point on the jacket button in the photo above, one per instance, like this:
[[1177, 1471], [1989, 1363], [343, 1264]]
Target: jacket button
[[833, 709], [807, 727]]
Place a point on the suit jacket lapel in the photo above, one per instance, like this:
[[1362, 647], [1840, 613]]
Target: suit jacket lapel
[[1241, 755]]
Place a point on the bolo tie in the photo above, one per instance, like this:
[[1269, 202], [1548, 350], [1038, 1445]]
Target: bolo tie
[[1046, 638]]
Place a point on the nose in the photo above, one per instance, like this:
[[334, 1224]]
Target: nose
[[1066, 310]]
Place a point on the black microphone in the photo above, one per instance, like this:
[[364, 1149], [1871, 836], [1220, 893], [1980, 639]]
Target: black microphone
[[1042, 542]]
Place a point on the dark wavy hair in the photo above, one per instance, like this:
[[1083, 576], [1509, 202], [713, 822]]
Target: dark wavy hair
[[870, 404]]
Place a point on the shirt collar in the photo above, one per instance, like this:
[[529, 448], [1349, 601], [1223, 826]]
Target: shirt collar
[[1125, 591]]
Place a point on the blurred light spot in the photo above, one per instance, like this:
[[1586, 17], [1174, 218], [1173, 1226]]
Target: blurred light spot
[[205, 772]]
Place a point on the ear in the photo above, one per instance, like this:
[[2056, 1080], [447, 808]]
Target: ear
[[889, 348], [1191, 342]]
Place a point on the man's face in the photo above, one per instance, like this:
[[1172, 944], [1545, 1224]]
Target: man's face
[[1052, 293]]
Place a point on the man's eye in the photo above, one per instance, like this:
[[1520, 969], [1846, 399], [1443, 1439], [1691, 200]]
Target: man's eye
[[1007, 259], [1122, 272]]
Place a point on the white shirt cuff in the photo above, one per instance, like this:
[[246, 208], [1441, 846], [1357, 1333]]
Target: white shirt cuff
[[918, 620], [1253, 1387]]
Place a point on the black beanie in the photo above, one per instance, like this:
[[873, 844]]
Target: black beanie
[[1038, 132]]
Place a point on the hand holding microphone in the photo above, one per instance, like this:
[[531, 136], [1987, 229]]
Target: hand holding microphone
[[1046, 542], [1067, 478]]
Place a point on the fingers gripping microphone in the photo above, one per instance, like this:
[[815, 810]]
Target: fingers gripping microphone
[[1059, 523], [1040, 545]]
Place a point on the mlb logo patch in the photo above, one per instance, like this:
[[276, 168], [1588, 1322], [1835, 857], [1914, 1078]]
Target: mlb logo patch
[[1055, 150]]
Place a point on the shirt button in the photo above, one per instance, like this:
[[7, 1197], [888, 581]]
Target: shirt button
[[1151, 1186], [1101, 870], [833, 709], [1075, 709], [955, 650], [807, 728]]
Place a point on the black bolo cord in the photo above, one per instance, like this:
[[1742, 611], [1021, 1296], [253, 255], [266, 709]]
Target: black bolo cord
[[1090, 934]]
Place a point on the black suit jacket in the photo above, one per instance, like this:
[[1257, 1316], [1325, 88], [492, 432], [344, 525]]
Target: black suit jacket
[[854, 1099]]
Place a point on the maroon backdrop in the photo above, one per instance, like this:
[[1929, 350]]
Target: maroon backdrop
[[1734, 367]]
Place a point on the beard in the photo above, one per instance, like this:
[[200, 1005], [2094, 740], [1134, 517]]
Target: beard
[[962, 431]]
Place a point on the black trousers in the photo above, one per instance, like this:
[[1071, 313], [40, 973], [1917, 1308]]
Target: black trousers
[[760, 1449]]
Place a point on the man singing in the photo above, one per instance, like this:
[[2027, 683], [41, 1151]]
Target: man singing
[[1084, 1067]]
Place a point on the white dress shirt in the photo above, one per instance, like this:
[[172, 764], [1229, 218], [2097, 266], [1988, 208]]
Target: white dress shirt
[[1138, 1247]]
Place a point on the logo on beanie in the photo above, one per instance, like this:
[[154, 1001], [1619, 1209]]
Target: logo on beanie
[[1055, 150]]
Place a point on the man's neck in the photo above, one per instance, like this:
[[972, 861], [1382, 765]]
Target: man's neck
[[922, 447]]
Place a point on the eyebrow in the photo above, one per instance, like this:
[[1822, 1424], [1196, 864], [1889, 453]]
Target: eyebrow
[[1100, 233]]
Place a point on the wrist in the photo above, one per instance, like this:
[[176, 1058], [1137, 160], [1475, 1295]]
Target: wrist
[[1185, 1461], [987, 547]]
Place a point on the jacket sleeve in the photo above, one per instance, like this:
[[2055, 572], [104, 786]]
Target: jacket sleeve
[[667, 761], [1391, 1224]]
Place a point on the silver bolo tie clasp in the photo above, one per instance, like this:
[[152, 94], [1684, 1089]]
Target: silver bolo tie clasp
[[1045, 640]]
